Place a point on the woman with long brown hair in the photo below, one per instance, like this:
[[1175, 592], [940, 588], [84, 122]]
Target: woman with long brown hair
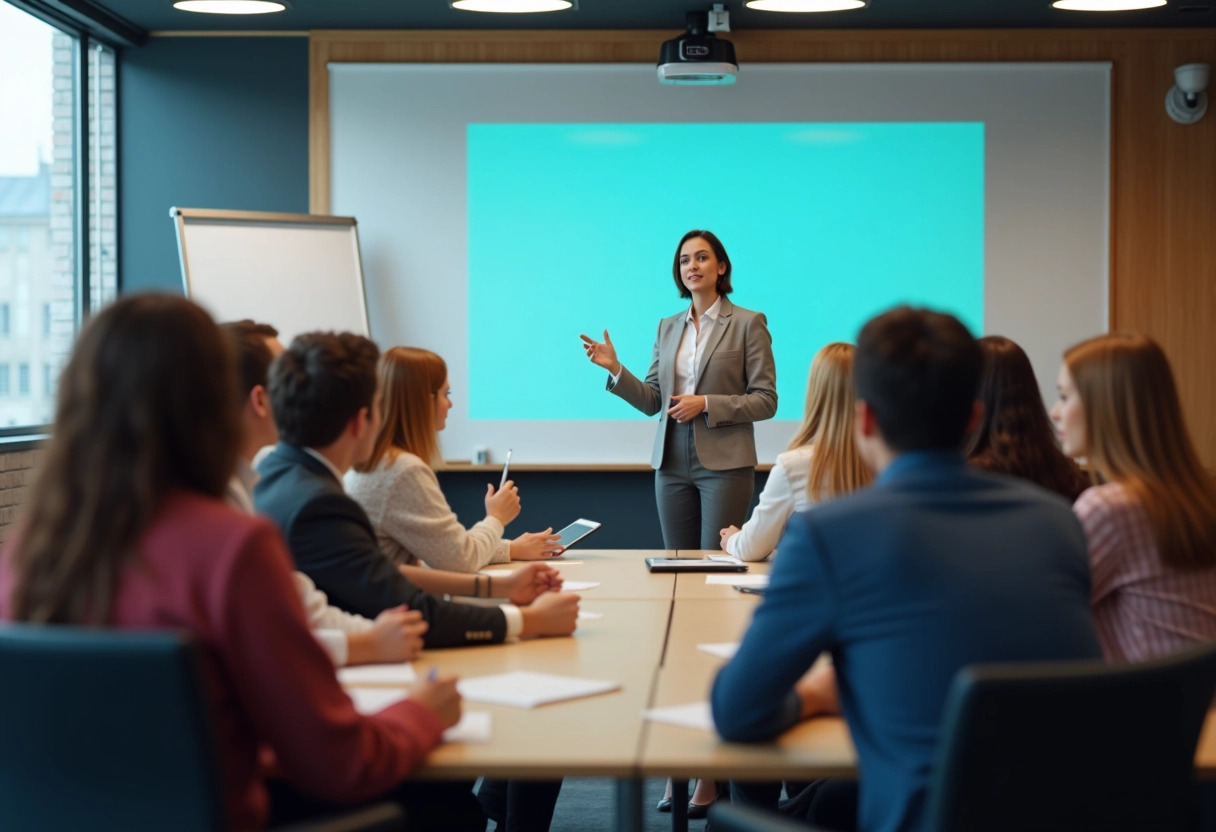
[[127, 529], [1015, 435], [821, 462], [398, 489], [1150, 518]]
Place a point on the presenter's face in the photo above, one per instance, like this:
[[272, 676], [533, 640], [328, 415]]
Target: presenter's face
[[1068, 415], [443, 403], [699, 267]]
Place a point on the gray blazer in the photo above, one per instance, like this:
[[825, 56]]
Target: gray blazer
[[735, 372]]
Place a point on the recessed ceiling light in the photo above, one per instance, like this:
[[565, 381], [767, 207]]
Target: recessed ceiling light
[[512, 6], [1106, 5], [806, 5], [231, 6]]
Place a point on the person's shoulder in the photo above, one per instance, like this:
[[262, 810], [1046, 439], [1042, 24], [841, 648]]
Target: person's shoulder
[[798, 457], [192, 520], [1107, 499]]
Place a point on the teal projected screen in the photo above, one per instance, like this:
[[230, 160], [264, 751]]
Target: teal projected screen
[[572, 228]]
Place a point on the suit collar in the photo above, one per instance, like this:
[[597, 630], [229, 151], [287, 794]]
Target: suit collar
[[296, 455], [919, 463]]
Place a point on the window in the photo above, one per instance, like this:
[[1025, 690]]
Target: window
[[58, 177]]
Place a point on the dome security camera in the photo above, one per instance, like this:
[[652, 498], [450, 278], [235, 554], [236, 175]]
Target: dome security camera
[[1186, 102]]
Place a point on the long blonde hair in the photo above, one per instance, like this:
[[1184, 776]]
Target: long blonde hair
[[410, 379], [1136, 436], [836, 467]]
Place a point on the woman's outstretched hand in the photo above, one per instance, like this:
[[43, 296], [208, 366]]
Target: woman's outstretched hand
[[602, 355]]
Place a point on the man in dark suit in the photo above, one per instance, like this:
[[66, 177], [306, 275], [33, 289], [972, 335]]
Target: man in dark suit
[[934, 567], [326, 406]]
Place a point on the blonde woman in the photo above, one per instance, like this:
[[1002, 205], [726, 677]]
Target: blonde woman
[[1150, 521], [821, 463], [398, 489]]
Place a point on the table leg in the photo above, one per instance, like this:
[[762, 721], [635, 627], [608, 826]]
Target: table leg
[[679, 804], [629, 794]]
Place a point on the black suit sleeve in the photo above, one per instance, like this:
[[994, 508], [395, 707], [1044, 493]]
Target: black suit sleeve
[[332, 544]]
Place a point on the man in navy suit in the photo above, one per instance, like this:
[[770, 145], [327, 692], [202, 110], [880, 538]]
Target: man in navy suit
[[935, 567]]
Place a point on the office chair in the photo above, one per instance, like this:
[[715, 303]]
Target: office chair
[[110, 730], [1061, 747]]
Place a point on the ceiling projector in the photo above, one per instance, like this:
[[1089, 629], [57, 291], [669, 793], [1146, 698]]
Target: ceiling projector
[[697, 56]]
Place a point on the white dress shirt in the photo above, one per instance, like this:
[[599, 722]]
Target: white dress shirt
[[783, 494], [689, 351]]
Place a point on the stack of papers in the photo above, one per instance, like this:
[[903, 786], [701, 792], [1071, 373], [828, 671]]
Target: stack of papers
[[525, 689], [759, 581], [693, 715]]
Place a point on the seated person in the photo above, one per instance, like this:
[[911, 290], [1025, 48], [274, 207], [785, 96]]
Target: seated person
[[395, 635], [1014, 435], [127, 529], [398, 489], [934, 567], [326, 405], [821, 463], [1151, 520]]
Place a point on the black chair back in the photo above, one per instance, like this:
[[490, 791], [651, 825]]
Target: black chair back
[[104, 729], [1065, 746]]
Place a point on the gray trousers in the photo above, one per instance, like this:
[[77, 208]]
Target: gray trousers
[[694, 502]]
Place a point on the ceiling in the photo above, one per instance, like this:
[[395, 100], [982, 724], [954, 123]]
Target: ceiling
[[159, 15]]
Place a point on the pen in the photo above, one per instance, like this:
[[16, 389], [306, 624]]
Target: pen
[[433, 674]]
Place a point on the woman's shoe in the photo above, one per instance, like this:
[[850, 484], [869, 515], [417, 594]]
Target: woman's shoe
[[697, 811], [664, 805]]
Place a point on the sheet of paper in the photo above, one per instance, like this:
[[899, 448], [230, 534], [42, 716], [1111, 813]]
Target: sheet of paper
[[724, 559], [558, 564], [372, 700], [525, 689], [693, 715], [738, 580], [584, 615], [497, 573], [579, 586], [378, 674], [721, 649], [474, 726]]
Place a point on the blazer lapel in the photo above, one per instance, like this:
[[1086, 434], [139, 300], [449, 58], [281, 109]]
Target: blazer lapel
[[673, 330], [725, 310]]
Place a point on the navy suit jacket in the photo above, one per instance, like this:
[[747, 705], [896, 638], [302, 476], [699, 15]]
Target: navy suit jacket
[[332, 542], [934, 567]]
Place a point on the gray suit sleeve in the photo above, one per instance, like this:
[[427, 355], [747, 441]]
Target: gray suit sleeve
[[643, 395], [759, 400]]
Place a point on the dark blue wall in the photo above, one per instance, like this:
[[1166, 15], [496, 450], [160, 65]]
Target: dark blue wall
[[223, 123], [206, 123]]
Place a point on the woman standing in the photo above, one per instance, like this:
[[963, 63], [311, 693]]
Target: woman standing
[[1150, 522], [711, 376]]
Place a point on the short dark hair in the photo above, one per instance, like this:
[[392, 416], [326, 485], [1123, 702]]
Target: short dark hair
[[318, 385], [724, 287], [252, 352], [919, 371]]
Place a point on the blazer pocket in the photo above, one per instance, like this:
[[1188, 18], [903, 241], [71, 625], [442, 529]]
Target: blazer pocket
[[727, 355]]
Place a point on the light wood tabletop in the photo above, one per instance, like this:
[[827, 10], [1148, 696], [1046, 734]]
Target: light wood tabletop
[[691, 585]]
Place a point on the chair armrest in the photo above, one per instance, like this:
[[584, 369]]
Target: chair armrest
[[379, 817], [727, 817]]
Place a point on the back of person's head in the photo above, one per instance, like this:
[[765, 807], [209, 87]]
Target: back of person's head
[[319, 383], [253, 355], [918, 371], [836, 466], [410, 379], [1135, 434], [147, 404], [1015, 435]]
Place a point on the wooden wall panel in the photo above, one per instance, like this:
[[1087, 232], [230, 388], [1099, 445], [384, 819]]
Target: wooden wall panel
[[1163, 177]]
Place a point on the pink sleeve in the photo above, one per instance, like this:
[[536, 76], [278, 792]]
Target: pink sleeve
[[286, 685], [1102, 540]]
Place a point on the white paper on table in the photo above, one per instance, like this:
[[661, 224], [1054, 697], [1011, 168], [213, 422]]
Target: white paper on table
[[692, 715], [401, 673], [497, 573], [374, 700], [584, 615], [579, 586], [759, 581], [558, 564], [474, 726], [721, 649], [525, 689]]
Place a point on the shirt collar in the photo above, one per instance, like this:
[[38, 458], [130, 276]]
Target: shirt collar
[[923, 460], [711, 313], [333, 469]]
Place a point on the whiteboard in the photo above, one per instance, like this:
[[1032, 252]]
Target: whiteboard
[[401, 129], [296, 272]]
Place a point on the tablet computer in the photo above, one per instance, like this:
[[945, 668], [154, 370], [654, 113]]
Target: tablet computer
[[575, 532], [693, 565]]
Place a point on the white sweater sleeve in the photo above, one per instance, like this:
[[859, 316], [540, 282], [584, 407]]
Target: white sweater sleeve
[[417, 516], [759, 535]]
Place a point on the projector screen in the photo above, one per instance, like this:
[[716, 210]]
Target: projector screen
[[503, 210]]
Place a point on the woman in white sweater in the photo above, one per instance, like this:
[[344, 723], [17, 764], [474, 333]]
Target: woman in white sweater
[[398, 488], [821, 463]]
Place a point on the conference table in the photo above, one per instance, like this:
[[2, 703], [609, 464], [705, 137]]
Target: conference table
[[643, 634]]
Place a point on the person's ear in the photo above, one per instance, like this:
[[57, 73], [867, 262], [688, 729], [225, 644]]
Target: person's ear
[[359, 424], [977, 416], [863, 418], [259, 400]]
